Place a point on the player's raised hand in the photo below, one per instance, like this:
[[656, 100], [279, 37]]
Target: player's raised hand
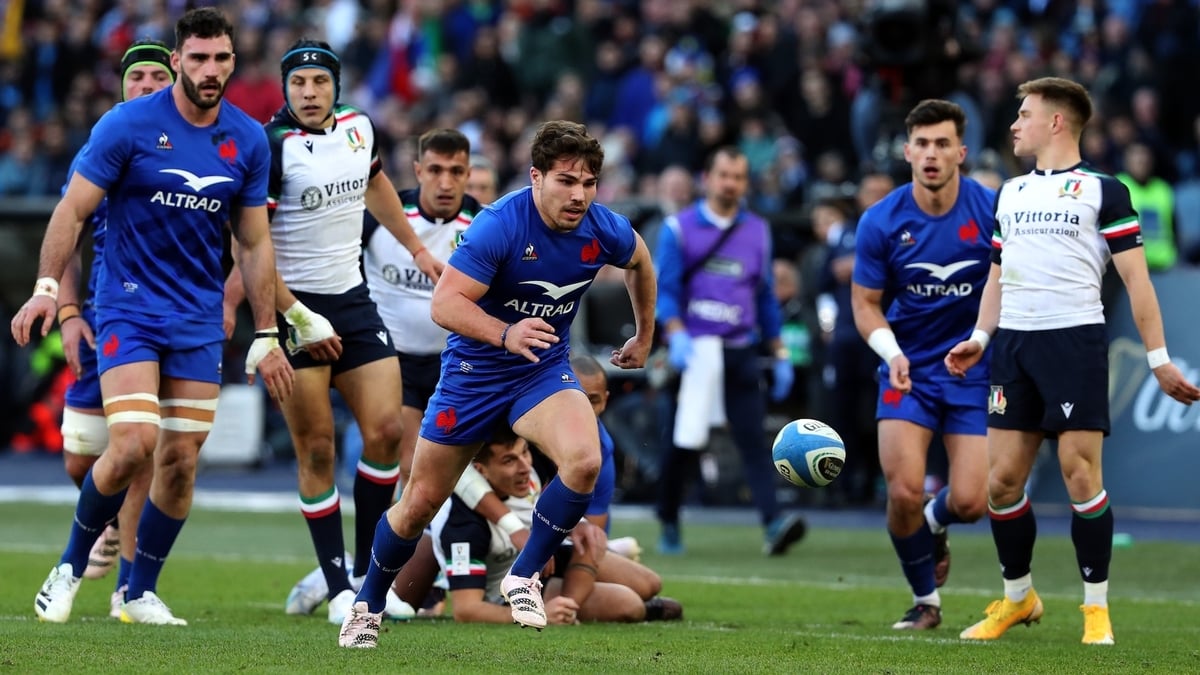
[[73, 330], [962, 356], [632, 354], [898, 375], [429, 265], [526, 335], [1175, 385], [41, 305]]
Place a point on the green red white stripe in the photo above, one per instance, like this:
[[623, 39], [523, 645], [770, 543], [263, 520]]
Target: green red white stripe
[[1093, 507], [321, 505], [1011, 511], [476, 568], [381, 474]]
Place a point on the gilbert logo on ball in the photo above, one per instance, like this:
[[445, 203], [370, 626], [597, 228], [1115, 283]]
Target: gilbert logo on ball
[[808, 453]]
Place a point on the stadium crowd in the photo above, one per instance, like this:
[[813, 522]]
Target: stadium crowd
[[813, 92]]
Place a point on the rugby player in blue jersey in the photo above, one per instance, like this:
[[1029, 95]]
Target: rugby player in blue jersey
[[145, 69], [508, 296], [925, 247], [176, 166]]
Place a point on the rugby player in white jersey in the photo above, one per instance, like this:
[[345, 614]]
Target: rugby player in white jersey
[[325, 169], [1056, 229]]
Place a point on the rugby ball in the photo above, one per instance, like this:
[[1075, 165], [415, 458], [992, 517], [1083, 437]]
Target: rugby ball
[[808, 453]]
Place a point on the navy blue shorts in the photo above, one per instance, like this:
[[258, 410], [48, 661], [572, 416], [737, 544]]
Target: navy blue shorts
[[466, 406], [84, 393], [1050, 380], [356, 319], [184, 350], [420, 374]]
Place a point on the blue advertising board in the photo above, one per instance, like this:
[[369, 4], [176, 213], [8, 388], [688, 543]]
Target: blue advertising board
[[1152, 457]]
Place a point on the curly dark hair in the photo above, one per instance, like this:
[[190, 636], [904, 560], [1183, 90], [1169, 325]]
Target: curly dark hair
[[560, 139]]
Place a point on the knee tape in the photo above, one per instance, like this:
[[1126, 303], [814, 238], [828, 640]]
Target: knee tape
[[84, 434]]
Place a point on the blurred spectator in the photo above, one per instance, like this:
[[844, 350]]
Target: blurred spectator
[[23, 172], [1154, 200], [849, 371], [482, 182]]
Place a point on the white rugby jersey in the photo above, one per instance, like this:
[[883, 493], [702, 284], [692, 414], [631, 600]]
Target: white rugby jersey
[[400, 290], [477, 546], [1055, 232], [316, 198]]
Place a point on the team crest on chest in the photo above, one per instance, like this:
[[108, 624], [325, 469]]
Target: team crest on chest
[[355, 139], [1073, 188]]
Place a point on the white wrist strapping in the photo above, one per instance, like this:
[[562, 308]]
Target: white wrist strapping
[[310, 326], [1157, 357], [981, 336], [883, 342], [297, 315], [264, 341], [47, 286], [510, 523]]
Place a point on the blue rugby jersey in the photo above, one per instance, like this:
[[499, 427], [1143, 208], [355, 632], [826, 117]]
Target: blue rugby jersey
[[171, 189], [533, 271], [932, 268]]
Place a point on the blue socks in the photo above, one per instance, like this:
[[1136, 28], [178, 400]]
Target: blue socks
[[916, 559], [942, 512], [389, 552], [155, 536], [557, 511], [93, 512]]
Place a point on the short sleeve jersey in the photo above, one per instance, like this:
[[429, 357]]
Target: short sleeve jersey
[[1055, 232], [934, 268], [399, 288], [317, 196], [172, 187], [533, 271]]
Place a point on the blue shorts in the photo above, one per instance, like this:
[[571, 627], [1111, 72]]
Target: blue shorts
[[467, 406], [84, 393], [948, 405], [419, 374], [184, 350], [356, 320], [1050, 380]]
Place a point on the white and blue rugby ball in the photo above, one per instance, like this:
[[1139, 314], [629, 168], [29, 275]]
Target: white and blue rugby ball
[[808, 453]]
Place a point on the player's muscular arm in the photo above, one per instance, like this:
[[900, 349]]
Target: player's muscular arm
[[1131, 265], [383, 203], [967, 353], [643, 293], [62, 233], [70, 319], [456, 308], [867, 306], [256, 258]]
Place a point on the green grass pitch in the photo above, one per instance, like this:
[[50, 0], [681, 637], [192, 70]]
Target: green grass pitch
[[826, 607]]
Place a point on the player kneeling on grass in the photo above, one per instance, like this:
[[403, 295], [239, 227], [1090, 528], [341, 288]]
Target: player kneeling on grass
[[587, 585]]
